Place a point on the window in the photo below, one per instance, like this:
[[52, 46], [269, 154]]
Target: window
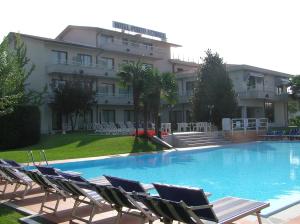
[[188, 116], [85, 59], [279, 90], [106, 39], [189, 88], [125, 41], [59, 57], [106, 89], [146, 65], [56, 83], [108, 115], [108, 63], [126, 91], [148, 46], [251, 82], [179, 69], [269, 111], [128, 115]]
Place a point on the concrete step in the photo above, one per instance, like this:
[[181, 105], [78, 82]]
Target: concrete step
[[207, 143], [198, 137], [203, 141]]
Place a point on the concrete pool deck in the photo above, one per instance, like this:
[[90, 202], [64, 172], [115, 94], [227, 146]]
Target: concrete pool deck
[[32, 202]]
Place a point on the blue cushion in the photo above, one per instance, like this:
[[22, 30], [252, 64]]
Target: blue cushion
[[190, 196], [47, 170], [127, 185], [74, 177]]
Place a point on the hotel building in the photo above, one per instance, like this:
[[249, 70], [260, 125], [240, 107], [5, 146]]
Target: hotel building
[[94, 55]]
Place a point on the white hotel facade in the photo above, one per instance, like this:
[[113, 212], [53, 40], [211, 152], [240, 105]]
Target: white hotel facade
[[95, 54]]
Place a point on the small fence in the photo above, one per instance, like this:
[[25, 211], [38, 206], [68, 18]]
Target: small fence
[[246, 124], [196, 126]]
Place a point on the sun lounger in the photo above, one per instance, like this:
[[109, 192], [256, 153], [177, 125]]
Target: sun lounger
[[80, 195], [48, 187], [124, 203], [127, 185], [198, 210], [11, 163], [13, 176]]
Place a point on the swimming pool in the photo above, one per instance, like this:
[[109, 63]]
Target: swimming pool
[[265, 171]]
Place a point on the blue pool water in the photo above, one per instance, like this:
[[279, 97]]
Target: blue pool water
[[265, 171]]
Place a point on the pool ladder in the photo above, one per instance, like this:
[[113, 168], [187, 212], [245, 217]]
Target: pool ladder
[[42, 156]]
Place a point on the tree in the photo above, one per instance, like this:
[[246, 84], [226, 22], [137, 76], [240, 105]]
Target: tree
[[15, 68], [158, 86], [133, 74], [73, 98], [214, 96]]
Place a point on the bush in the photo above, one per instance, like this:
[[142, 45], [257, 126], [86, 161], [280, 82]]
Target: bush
[[20, 128]]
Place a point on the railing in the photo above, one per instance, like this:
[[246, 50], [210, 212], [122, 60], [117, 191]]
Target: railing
[[194, 126], [261, 94], [132, 47], [75, 67], [245, 124], [114, 99]]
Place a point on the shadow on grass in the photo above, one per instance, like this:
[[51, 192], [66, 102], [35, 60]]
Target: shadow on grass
[[59, 140], [144, 145]]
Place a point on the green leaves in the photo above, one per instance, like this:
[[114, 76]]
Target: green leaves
[[213, 87], [15, 68]]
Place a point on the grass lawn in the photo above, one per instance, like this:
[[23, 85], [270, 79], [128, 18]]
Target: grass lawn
[[80, 145], [9, 215]]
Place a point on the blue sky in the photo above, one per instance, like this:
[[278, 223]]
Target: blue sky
[[261, 33]]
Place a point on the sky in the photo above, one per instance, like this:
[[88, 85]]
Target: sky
[[262, 33]]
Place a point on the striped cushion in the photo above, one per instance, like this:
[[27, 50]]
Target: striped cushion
[[231, 208]]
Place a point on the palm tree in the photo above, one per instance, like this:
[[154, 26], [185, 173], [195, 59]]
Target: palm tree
[[133, 75], [159, 86]]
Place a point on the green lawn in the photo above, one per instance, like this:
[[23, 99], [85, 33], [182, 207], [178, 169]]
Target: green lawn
[[9, 215], [80, 145]]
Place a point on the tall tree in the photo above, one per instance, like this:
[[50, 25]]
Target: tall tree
[[15, 68], [214, 96], [133, 74], [73, 98]]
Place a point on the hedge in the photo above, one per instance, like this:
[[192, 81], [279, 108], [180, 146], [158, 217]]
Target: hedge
[[20, 128]]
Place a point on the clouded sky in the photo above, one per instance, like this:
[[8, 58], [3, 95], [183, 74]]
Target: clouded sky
[[263, 33]]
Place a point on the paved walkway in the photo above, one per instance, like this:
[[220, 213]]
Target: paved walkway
[[32, 203]]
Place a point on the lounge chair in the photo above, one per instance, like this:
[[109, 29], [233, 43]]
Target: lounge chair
[[48, 187], [196, 210], [13, 176], [80, 194], [121, 200], [127, 185], [11, 163]]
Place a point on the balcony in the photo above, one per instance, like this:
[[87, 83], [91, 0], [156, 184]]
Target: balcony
[[185, 97], [73, 67], [118, 99], [262, 95], [134, 48]]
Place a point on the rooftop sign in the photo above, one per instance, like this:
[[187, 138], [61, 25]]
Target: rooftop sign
[[136, 29]]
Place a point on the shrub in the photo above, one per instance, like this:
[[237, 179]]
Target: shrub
[[20, 128]]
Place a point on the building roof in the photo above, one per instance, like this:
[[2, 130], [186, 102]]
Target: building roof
[[113, 32], [11, 34], [235, 67], [180, 62]]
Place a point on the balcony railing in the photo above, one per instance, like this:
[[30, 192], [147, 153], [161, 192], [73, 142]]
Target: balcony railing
[[133, 48], [117, 99], [261, 94], [74, 67]]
